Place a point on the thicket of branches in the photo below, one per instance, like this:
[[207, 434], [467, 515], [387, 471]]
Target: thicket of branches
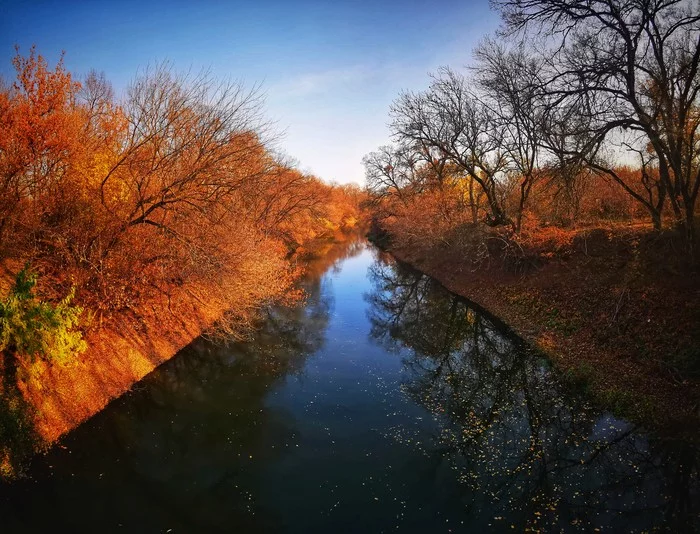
[[171, 184], [168, 194], [577, 112]]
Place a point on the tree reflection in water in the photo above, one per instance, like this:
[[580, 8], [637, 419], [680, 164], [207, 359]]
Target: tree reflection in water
[[456, 428], [524, 450], [189, 437]]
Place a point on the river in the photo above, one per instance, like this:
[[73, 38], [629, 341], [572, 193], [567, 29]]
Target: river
[[383, 404]]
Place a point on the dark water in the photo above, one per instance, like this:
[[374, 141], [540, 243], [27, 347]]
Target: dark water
[[383, 404]]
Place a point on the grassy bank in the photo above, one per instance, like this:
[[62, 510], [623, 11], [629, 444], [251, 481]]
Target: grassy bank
[[614, 314]]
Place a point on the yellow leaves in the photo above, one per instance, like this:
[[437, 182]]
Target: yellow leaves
[[103, 162], [329, 225]]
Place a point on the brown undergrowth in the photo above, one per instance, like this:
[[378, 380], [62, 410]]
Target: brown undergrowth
[[616, 310]]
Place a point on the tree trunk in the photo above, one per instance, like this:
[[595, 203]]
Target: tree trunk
[[497, 217], [9, 370], [689, 229], [473, 203]]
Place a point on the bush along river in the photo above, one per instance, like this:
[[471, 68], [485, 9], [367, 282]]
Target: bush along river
[[383, 404]]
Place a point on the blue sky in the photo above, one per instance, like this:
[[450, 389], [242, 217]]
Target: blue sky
[[329, 69]]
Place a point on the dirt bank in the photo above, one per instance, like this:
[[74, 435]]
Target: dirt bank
[[119, 354], [132, 344], [609, 309]]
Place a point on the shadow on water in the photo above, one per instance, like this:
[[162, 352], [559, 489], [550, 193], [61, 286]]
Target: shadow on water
[[183, 438], [526, 452]]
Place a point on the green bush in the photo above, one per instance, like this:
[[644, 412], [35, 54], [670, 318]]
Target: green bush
[[18, 437], [32, 328], [29, 328]]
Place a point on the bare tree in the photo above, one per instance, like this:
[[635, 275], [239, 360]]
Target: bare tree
[[449, 119], [511, 84], [635, 66], [391, 171], [187, 145]]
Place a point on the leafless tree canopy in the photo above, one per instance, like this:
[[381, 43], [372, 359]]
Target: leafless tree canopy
[[568, 90], [629, 66]]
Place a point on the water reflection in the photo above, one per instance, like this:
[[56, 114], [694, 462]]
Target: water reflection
[[383, 403], [525, 452], [184, 448]]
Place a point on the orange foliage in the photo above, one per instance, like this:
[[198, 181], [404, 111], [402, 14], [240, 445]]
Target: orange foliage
[[450, 214], [168, 187], [431, 218]]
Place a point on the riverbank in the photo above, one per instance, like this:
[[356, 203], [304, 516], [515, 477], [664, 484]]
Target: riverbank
[[119, 354], [419, 412], [610, 310], [129, 345]]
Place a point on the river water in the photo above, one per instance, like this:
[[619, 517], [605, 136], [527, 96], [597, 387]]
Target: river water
[[383, 404]]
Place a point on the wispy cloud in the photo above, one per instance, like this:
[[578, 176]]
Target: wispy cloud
[[320, 82]]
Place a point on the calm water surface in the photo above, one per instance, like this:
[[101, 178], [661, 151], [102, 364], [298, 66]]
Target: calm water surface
[[383, 404]]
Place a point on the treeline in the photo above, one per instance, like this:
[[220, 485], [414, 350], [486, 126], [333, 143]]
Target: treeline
[[577, 112], [172, 185]]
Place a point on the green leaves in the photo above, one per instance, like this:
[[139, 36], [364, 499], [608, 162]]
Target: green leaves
[[33, 328]]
